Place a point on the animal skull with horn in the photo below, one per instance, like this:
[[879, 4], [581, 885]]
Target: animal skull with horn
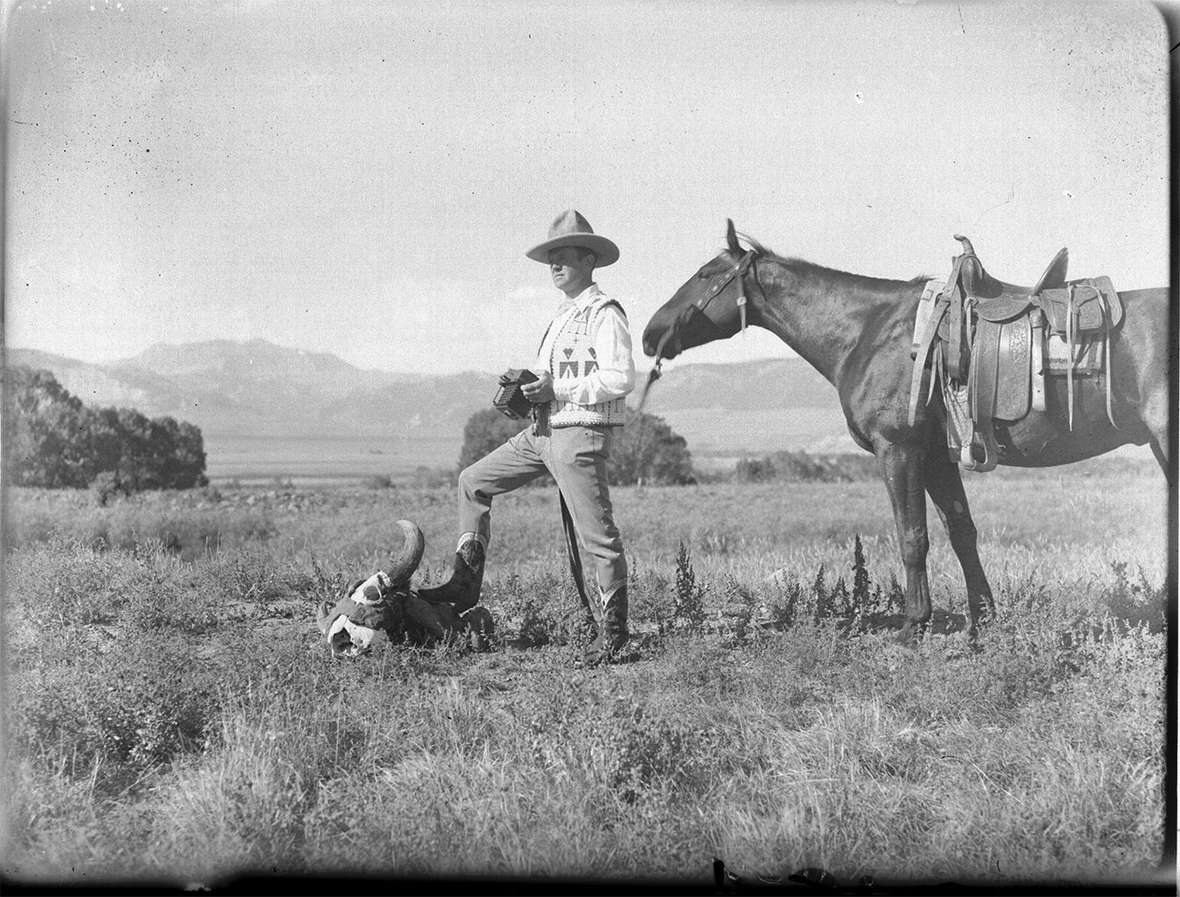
[[384, 607]]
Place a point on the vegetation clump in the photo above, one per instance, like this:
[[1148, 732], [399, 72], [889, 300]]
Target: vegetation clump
[[645, 450], [799, 466], [56, 441], [175, 712]]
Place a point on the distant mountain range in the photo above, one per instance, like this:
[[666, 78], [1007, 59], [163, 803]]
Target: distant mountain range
[[256, 388]]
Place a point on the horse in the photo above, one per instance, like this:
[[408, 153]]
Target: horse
[[856, 331]]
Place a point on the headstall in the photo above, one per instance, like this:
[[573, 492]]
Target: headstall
[[737, 272]]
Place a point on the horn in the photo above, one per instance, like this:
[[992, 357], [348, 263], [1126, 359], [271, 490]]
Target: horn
[[968, 249], [402, 566]]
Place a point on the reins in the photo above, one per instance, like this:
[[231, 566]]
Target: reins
[[716, 289]]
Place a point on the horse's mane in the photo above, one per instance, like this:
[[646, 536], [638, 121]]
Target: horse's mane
[[812, 268]]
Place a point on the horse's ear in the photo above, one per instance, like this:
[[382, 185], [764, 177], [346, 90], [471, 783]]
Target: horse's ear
[[731, 237]]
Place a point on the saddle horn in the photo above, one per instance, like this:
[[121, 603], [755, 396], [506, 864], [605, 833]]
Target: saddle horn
[[968, 249]]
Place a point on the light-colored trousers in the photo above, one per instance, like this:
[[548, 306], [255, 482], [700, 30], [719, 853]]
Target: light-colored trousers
[[576, 457]]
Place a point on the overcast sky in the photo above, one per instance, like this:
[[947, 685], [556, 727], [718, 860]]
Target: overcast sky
[[364, 178]]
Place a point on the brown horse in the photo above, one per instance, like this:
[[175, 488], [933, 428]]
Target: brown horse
[[857, 332]]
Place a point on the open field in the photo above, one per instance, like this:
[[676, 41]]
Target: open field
[[336, 459], [173, 714], [343, 460], [325, 460]]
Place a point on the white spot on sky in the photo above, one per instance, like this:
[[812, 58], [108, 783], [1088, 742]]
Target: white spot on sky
[[860, 97]]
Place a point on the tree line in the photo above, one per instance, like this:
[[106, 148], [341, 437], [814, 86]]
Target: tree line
[[53, 440], [645, 450]]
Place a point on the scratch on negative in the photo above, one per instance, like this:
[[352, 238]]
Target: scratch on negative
[[1011, 195]]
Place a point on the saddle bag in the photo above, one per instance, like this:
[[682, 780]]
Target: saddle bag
[[1078, 320], [1082, 307]]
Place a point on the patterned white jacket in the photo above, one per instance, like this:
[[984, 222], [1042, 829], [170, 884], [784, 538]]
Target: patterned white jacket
[[587, 350]]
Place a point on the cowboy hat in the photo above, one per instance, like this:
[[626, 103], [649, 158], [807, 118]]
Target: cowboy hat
[[571, 229]]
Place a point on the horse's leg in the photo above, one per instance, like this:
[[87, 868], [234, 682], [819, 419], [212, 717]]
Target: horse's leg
[[1160, 450], [945, 485], [1155, 414], [901, 468]]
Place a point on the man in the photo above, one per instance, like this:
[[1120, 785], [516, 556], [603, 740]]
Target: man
[[584, 370]]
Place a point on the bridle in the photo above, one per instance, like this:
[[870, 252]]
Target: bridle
[[738, 273]]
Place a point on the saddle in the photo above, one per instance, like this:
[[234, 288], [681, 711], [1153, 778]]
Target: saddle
[[991, 344]]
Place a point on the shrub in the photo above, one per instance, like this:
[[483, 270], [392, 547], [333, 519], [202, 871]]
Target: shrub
[[57, 441], [648, 753], [106, 486], [1136, 601], [425, 477], [643, 450], [485, 431], [534, 612], [117, 714], [867, 605], [799, 466], [688, 606], [646, 450]]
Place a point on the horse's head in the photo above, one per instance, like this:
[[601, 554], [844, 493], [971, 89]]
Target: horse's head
[[711, 305]]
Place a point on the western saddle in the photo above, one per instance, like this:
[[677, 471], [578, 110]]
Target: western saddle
[[991, 345]]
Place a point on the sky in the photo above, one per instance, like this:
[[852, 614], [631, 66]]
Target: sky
[[364, 178]]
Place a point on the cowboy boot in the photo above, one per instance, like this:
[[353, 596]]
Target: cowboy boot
[[612, 629], [462, 589]]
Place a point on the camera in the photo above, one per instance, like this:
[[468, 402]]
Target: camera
[[509, 399]]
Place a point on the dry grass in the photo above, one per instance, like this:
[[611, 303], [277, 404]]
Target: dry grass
[[171, 712]]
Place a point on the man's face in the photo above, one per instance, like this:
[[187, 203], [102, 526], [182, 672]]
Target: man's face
[[572, 269]]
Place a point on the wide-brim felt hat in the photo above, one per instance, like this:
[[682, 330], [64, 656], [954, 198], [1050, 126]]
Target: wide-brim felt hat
[[570, 228]]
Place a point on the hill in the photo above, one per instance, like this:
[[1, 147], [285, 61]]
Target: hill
[[259, 391]]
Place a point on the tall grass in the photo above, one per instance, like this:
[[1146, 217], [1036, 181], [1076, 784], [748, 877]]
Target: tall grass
[[172, 712]]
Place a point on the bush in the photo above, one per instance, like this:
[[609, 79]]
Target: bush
[[796, 467], [643, 450], [117, 714], [486, 431], [56, 442], [647, 451], [648, 753], [49, 438], [534, 612], [688, 608], [106, 486]]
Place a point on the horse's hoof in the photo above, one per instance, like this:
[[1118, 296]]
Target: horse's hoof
[[905, 641], [910, 634]]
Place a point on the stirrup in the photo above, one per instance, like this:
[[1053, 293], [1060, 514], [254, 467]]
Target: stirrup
[[966, 457]]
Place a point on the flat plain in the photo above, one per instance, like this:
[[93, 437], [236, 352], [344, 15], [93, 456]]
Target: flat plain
[[173, 714]]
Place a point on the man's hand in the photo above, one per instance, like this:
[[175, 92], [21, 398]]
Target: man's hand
[[540, 390]]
